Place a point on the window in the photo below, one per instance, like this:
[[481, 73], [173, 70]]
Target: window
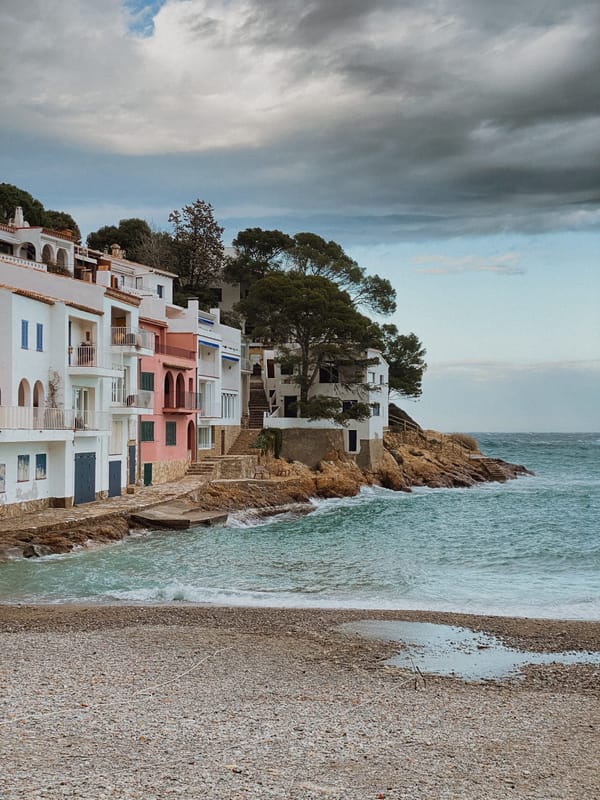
[[381, 380], [146, 432], [376, 409], [22, 468], [170, 433], [348, 404], [147, 381], [2, 477], [329, 374], [39, 337], [228, 405], [139, 282], [371, 377], [206, 438], [24, 334], [287, 368], [40, 466], [160, 290]]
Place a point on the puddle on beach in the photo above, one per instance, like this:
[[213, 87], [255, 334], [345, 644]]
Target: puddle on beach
[[457, 652]]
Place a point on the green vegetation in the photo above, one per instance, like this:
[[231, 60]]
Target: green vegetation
[[34, 211]]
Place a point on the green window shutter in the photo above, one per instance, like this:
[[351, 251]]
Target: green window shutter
[[147, 432], [147, 381], [171, 433]]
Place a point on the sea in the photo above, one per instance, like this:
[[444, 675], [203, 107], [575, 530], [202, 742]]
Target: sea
[[529, 547]]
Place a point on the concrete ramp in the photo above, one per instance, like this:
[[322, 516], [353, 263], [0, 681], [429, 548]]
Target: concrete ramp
[[177, 516]]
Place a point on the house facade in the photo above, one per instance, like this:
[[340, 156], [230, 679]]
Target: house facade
[[310, 440]]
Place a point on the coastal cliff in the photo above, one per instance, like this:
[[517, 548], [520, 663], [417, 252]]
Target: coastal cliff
[[414, 458]]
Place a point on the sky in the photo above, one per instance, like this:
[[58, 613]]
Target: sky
[[452, 146]]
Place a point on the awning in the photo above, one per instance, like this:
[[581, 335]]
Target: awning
[[208, 344], [229, 358]]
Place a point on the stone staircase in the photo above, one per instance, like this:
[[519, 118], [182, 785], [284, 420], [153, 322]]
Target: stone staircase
[[203, 469], [229, 467], [257, 403], [243, 444]]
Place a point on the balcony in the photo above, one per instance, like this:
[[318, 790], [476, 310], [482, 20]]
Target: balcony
[[27, 418], [133, 341], [181, 403], [91, 420], [122, 398], [176, 352], [86, 355]]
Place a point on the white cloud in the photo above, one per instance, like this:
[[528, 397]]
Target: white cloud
[[502, 264]]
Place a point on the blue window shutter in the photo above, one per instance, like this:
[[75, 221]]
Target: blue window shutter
[[39, 332], [24, 334]]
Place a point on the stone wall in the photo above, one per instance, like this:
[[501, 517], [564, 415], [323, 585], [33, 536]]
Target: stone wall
[[371, 454], [165, 471], [13, 510], [311, 446]]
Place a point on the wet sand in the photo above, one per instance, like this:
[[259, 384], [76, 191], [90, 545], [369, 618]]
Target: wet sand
[[187, 701]]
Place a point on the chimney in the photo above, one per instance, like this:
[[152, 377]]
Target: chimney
[[19, 221]]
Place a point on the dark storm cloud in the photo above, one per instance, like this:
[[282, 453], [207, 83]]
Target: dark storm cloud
[[390, 119]]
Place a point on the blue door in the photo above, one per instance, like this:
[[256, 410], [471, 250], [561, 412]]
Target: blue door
[[114, 478], [131, 463], [85, 478]]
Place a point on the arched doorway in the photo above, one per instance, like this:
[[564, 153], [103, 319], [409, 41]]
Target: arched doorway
[[27, 250], [191, 441], [47, 255], [169, 392], [38, 403], [25, 412], [180, 392], [24, 396], [61, 258]]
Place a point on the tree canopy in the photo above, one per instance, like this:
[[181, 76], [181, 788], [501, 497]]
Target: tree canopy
[[261, 252], [33, 211], [405, 355], [258, 252], [128, 234], [198, 249], [314, 324]]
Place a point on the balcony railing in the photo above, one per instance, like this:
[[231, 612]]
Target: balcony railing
[[23, 262], [91, 420], [86, 355], [187, 401], [28, 418], [178, 352], [133, 338], [52, 419], [121, 396]]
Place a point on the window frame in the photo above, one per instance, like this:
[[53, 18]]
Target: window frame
[[170, 433], [147, 430]]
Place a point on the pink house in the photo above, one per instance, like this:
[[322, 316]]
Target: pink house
[[168, 434]]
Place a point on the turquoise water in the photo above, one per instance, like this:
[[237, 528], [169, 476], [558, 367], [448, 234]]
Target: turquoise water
[[528, 547]]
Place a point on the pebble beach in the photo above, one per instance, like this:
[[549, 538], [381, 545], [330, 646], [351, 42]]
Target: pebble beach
[[162, 701]]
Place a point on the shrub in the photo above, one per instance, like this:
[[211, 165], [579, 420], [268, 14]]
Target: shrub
[[466, 441]]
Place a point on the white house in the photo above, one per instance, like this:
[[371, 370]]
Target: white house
[[68, 378], [363, 440]]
